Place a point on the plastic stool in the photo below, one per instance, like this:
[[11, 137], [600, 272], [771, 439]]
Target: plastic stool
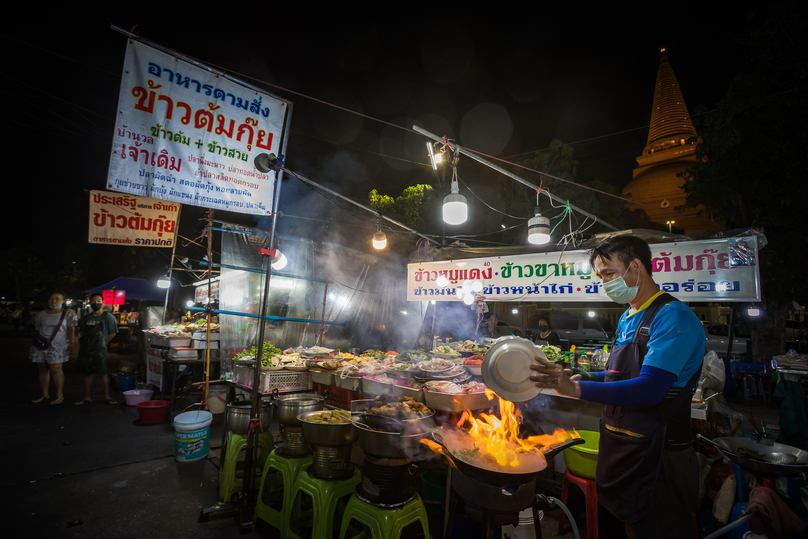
[[268, 491], [228, 482], [384, 523], [591, 494], [326, 496]]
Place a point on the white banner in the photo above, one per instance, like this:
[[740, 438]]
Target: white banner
[[189, 135], [709, 270], [154, 367], [201, 292], [131, 220]]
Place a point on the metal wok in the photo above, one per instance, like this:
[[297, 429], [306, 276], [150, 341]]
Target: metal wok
[[775, 459], [502, 478]]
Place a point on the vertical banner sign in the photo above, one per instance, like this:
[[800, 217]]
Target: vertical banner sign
[[131, 220], [188, 134], [154, 364]]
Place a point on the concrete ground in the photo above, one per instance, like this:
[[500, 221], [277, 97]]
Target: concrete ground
[[94, 471]]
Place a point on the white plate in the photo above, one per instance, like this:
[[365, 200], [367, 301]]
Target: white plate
[[506, 369]]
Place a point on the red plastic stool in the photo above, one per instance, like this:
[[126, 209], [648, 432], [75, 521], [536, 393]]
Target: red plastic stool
[[590, 491]]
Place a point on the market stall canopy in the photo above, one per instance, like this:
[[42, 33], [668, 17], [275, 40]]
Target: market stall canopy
[[136, 289]]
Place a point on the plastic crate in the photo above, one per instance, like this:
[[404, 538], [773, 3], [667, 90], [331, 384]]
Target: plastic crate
[[285, 381], [337, 396], [750, 368]]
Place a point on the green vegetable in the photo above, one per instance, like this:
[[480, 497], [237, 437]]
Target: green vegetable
[[266, 360], [553, 353]]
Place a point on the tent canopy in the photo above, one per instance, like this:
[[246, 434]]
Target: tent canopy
[[136, 289]]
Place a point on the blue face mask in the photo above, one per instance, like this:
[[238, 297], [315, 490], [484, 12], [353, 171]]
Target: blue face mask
[[57, 307], [619, 292]]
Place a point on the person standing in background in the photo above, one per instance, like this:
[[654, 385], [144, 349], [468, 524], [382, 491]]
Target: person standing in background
[[97, 329], [55, 324]]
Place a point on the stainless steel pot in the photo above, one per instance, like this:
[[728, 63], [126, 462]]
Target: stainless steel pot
[[238, 416], [291, 406], [392, 445], [775, 459], [327, 434]]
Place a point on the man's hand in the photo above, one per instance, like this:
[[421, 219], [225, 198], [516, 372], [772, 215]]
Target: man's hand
[[548, 375]]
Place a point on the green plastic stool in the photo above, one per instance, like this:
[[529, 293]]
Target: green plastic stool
[[228, 482], [269, 492], [384, 523], [326, 497]]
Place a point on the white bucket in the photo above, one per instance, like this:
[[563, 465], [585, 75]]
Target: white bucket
[[525, 529], [191, 435], [216, 400]]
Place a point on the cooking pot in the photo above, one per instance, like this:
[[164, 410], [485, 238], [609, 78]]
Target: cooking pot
[[328, 434], [362, 407], [384, 439], [238, 416], [775, 459], [291, 406], [504, 477]]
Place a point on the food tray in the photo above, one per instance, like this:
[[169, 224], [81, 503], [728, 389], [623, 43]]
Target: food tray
[[322, 377], [374, 387], [177, 342], [353, 383], [203, 336], [449, 402], [406, 391], [201, 345], [285, 381]]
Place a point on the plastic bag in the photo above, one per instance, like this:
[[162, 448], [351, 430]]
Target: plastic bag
[[721, 421], [712, 374]]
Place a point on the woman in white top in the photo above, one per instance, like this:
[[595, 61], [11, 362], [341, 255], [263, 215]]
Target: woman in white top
[[49, 362]]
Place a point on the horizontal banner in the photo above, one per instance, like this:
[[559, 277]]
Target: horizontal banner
[[710, 270], [189, 135], [132, 221]]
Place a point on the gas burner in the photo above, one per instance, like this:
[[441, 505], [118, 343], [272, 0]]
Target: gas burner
[[294, 445], [331, 462], [385, 482]]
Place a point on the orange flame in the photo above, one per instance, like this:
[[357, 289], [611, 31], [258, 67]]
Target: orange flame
[[437, 448], [498, 439]]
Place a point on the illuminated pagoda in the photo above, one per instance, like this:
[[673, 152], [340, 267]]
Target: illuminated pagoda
[[671, 149]]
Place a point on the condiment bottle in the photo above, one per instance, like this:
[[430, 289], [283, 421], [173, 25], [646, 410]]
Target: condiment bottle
[[584, 362]]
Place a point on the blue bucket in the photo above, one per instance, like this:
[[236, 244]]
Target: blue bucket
[[126, 382]]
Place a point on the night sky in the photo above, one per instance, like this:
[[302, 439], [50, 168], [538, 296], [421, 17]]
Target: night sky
[[503, 84]]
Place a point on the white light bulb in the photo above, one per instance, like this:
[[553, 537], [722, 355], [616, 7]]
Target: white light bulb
[[477, 286], [279, 262], [379, 240], [466, 288], [442, 281], [468, 299]]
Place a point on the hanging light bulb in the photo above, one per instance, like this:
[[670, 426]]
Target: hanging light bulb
[[477, 286], [538, 229], [468, 299], [455, 209], [466, 288], [164, 282], [442, 281], [379, 238], [279, 262]]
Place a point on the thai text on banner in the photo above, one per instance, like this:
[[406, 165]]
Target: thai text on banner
[[132, 221], [186, 134]]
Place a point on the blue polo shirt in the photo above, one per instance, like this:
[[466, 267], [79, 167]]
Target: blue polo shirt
[[676, 344]]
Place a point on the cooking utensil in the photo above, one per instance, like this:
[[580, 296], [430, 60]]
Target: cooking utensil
[[290, 406], [506, 369], [423, 422], [238, 416], [503, 477], [776, 459], [383, 437], [328, 434], [451, 402]]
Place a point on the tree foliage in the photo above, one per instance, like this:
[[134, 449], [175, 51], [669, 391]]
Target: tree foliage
[[406, 208]]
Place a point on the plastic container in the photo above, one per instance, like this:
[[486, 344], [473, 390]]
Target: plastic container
[[151, 412], [134, 396], [216, 400], [582, 459], [126, 381], [192, 435]]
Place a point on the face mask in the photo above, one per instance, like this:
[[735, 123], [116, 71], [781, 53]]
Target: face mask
[[56, 307], [619, 292], [96, 307], [543, 327]]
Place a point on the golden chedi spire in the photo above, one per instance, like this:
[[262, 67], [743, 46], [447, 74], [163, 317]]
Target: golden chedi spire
[[670, 150]]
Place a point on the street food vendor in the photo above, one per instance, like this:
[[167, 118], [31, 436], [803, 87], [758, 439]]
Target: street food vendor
[[647, 472]]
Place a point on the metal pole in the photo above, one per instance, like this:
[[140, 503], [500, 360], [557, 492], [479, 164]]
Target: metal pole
[[171, 264], [322, 320], [511, 175]]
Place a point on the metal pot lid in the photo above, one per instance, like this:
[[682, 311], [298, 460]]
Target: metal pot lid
[[506, 369]]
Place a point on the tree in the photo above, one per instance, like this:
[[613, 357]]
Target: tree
[[752, 161], [407, 208]]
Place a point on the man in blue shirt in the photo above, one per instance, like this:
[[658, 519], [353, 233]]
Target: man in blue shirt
[[647, 473]]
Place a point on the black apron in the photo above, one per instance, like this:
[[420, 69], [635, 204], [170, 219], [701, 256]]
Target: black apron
[[632, 438]]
